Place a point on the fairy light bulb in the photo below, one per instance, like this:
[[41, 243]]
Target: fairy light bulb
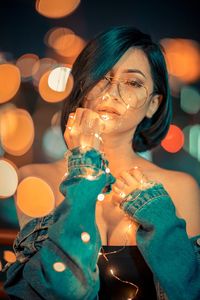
[[100, 197], [111, 271], [85, 237], [59, 267]]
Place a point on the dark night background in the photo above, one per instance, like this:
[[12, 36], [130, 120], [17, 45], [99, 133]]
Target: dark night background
[[22, 30]]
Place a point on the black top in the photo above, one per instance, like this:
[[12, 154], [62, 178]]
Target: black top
[[129, 265]]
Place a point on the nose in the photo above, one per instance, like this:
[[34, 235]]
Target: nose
[[112, 92]]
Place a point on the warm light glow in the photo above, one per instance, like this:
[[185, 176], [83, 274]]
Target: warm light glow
[[111, 271], [9, 82], [56, 9], [100, 197], [25, 64], [59, 267], [64, 41], [1, 266], [8, 178], [183, 59], [85, 237], [35, 197], [17, 131], [174, 139], [58, 78], [41, 67], [50, 95], [9, 256]]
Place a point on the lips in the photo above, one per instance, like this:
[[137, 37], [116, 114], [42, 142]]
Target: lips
[[109, 110]]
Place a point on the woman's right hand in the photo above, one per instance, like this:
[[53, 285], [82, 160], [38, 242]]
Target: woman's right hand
[[83, 129]]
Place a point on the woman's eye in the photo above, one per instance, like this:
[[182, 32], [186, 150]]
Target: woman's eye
[[134, 83]]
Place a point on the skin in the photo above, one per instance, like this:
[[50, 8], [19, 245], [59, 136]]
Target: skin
[[113, 224]]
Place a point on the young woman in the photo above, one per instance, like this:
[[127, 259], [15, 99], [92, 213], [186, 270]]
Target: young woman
[[148, 221]]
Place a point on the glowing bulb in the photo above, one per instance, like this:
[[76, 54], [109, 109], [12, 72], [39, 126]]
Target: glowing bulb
[[100, 197], [129, 226], [111, 271], [59, 267], [85, 237], [107, 170]]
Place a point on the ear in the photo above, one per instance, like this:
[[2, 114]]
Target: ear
[[153, 105]]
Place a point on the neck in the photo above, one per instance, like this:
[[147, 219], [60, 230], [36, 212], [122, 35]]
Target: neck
[[119, 152]]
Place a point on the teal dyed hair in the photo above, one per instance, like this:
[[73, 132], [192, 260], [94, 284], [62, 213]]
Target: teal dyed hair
[[99, 56]]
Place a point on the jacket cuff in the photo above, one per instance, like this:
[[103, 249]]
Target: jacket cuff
[[88, 163], [136, 200]]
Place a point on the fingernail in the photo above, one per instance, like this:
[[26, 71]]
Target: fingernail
[[135, 167]]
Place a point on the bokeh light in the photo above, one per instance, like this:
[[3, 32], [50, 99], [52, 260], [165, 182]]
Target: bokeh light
[[10, 80], [85, 237], [41, 67], [190, 100], [17, 131], [53, 143], [64, 41], [25, 64], [56, 9], [183, 59], [9, 178], [59, 267], [174, 139], [192, 140], [55, 120], [58, 78], [9, 256], [48, 94], [35, 197]]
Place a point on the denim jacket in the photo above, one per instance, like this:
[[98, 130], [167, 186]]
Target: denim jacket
[[173, 258]]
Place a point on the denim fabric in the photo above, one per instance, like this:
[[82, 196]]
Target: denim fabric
[[162, 239], [173, 258]]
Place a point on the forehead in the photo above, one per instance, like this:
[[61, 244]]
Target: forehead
[[133, 58]]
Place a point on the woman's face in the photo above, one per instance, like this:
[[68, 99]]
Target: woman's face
[[123, 98]]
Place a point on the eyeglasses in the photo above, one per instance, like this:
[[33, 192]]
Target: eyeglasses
[[132, 92]]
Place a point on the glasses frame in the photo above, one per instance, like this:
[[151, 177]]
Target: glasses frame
[[112, 80]]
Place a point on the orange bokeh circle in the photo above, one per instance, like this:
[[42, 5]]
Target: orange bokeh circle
[[35, 197], [17, 131], [10, 80], [174, 140], [56, 9], [49, 94]]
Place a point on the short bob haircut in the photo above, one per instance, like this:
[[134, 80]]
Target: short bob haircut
[[99, 56]]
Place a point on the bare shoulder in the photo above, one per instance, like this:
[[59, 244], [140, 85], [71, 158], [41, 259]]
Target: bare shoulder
[[185, 194]]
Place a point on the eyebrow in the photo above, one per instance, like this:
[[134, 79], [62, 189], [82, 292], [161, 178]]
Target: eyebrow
[[134, 71]]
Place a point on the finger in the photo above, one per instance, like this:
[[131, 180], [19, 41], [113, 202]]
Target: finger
[[128, 178], [78, 116], [139, 175], [120, 184], [70, 120]]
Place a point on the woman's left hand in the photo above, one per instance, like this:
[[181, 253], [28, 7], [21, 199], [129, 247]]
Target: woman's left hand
[[129, 181]]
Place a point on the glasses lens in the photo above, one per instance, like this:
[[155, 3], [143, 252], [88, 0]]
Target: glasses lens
[[132, 94], [98, 89], [135, 96]]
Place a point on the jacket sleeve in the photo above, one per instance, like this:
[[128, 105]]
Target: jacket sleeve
[[162, 239], [33, 276]]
